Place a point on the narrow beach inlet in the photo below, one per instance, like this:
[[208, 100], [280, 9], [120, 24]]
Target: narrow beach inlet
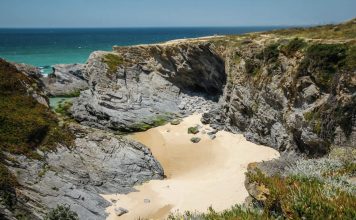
[[199, 175]]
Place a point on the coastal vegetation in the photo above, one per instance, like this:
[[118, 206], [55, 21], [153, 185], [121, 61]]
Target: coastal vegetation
[[33, 123], [269, 54], [295, 45], [63, 108], [152, 122], [306, 189], [323, 61], [113, 61], [25, 125], [346, 30], [61, 212]]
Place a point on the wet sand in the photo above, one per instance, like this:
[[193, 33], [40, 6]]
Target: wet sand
[[209, 173]]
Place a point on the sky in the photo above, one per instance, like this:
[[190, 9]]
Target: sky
[[172, 13]]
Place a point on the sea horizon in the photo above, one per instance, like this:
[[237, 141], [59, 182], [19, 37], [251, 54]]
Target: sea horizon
[[44, 47]]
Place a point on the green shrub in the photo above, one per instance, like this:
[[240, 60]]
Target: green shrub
[[113, 61], [63, 108], [300, 197], [325, 57], [61, 212], [293, 46], [322, 61], [351, 58], [236, 212], [270, 53], [314, 120], [252, 67], [332, 172]]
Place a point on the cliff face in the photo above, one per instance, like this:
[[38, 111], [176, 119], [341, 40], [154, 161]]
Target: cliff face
[[98, 163], [290, 94], [285, 92], [135, 88], [44, 163]]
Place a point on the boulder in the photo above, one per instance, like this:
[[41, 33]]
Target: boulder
[[120, 211]]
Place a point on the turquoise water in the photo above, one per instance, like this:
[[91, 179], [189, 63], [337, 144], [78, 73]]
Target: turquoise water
[[55, 101], [45, 47]]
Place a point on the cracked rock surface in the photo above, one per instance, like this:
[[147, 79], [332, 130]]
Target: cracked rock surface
[[99, 163]]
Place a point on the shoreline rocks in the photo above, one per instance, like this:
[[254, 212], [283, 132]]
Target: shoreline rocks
[[67, 80]]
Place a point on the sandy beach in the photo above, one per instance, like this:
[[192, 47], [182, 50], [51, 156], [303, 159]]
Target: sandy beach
[[208, 173]]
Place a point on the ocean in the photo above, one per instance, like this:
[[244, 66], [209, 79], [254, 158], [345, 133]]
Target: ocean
[[46, 47]]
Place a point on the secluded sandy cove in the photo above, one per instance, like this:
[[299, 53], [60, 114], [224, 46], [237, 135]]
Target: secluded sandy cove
[[209, 173]]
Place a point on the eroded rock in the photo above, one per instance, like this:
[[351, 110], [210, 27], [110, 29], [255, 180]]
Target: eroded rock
[[99, 163], [153, 83], [66, 80]]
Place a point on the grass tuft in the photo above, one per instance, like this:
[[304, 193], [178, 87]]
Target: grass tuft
[[113, 61], [293, 47], [322, 61]]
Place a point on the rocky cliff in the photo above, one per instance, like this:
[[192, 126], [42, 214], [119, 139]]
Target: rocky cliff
[[294, 93], [45, 163], [279, 90], [135, 88]]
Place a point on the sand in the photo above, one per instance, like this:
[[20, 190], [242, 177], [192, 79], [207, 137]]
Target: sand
[[209, 173]]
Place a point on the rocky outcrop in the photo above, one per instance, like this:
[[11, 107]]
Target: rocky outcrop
[[99, 163], [44, 163], [289, 102], [66, 80], [35, 75], [278, 92], [134, 88]]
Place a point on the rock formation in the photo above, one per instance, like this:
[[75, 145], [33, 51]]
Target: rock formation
[[98, 163], [289, 102], [44, 164], [277, 91], [66, 80], [135, 88]]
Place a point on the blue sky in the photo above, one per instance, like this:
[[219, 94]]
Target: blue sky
[[158, 13]]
